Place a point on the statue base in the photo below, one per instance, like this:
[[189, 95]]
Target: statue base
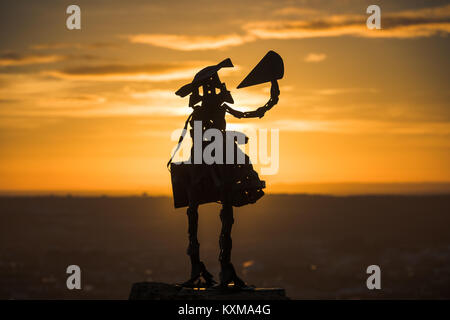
[[164, 291]]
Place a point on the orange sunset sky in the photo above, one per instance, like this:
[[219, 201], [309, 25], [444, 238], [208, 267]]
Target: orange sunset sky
[[93, 109]]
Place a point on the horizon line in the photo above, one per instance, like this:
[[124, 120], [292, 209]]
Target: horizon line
[[309, 188]]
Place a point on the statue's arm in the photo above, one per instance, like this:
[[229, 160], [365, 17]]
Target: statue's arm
[[258, 113]]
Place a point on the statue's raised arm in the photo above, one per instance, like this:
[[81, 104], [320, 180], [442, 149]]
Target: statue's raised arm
[[269, 69], [258, 113]]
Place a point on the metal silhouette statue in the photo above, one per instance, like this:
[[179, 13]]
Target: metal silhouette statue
[[230, 184]]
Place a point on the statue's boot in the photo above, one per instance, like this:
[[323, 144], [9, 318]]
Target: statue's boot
[[228, 275], [198, 272]]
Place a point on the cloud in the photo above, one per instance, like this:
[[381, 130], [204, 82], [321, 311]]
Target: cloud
[[315, 57], [314, 24], [405, 24], [17, 59], [296, 11], [116, 109], [66, 45], [15, 86], [190, 43], [335, 91], [120, 72], [363, 126], [356, 27], [125, 69], [38, 97]]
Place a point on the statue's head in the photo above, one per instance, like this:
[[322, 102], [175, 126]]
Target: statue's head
[[207, 88]]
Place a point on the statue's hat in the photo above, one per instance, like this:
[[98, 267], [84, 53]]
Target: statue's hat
[[202, 76]]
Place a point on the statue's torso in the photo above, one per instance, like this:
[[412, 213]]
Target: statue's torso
[[211, 116]]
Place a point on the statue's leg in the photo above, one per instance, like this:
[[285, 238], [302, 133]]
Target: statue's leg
[[193, 249], [227, 274], [198, 268]]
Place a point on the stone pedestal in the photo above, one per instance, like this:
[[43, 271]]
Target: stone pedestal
[[164, 291]]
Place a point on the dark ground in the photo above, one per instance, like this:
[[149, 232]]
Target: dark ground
[[313, 246]]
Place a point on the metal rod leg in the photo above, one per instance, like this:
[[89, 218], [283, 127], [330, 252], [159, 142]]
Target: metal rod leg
[[194, 247], [225, 242]]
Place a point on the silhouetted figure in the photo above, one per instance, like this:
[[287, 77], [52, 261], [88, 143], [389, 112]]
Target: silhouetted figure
[[231, 184]]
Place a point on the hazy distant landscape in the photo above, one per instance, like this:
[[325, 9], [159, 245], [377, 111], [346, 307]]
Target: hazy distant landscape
[[313, 246]]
